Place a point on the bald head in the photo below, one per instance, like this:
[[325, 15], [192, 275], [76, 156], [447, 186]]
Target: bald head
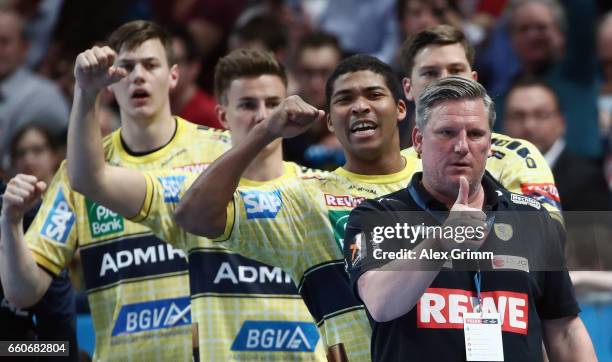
[[12, 42]]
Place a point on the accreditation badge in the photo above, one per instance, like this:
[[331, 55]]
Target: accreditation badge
[[483, 337]]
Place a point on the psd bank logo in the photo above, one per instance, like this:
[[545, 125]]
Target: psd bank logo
[[262, 204], [272, 336], [149, 316]]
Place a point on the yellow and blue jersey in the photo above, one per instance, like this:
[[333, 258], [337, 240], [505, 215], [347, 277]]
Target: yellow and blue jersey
[[137, 285]]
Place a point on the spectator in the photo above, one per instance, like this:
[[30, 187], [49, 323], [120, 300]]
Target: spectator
[[604, 47], [188, 100], [532, 112], [36, 150], [24, 96], [363, 26], [317, 55], [562, 52]]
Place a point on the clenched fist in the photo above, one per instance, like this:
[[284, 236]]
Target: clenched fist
[[94, 69], [20, 195], [292, 117]]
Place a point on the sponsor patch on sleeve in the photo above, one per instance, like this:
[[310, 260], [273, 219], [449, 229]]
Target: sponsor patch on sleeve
[[525, 200], [172, 186], [545, 193], [262, 204], [59, 221]]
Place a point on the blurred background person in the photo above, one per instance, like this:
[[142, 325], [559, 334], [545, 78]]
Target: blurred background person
[[316, 56], [188, 100], [604, 52], [533, 112], [37, 150], [24, 96]]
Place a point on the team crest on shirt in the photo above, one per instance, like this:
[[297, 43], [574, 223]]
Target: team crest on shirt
[[503, 231], [59, 221]]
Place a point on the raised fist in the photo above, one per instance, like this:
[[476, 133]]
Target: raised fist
[[21, 193], [292, 117], [94, 70]]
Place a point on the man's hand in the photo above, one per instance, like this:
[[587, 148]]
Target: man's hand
[[94, 69], [21, 194], [292, 117], [462, 215]]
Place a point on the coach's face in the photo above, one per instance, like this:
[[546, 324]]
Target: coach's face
[[454, 142]]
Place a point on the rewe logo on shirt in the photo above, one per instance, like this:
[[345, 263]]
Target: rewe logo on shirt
[[59, 221], [444, 308], [262, 204]]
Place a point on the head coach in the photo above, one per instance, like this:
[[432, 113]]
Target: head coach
[[509, 299]]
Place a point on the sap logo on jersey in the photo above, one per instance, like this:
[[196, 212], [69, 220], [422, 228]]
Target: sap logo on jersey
[[272, 336], [149, 316], [59, 221], [262, 204], [444, 308], [172, 186]]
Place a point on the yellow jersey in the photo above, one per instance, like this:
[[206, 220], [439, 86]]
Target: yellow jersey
[[137, 285]]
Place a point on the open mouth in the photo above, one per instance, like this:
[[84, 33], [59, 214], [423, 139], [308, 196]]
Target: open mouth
[[364, 128], [140, 94]]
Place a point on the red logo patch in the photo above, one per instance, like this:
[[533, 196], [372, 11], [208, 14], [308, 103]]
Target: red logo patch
[[548, 190], [444, 308], [346, 201]]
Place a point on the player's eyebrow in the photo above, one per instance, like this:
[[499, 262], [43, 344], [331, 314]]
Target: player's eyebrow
[[136, 60], [351, 90]]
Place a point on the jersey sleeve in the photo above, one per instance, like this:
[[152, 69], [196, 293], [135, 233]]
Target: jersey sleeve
[[270, 223], [53, 236], [165, 188], [358, 248], [520, 167]]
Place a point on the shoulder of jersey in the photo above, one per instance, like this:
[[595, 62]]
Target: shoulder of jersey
[[307, 173], [213, 134], [504, 146]]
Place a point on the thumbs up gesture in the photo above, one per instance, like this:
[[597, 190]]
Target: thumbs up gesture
[[462, 215]]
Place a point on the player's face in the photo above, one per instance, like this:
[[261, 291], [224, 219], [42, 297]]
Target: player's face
[[435, 62], [532, 113], [250, 101], [144, 93], [364, 115], [455, 142]]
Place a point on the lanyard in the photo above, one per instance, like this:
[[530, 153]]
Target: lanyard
[[478, 283]]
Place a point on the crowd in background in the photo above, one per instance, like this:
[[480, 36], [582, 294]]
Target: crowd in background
[[547, 63]]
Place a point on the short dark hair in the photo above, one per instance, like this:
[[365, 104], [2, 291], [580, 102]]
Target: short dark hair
[[361, 62], [266, 28], [435, 35], [318, 39], [242, 63], [130, 35], [533, 81], [184, 36], [55, 138]]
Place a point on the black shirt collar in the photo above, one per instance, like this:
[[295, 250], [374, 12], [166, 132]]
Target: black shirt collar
[[494, 193]]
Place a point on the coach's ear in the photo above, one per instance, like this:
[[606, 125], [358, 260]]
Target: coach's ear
[[417, 140]]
